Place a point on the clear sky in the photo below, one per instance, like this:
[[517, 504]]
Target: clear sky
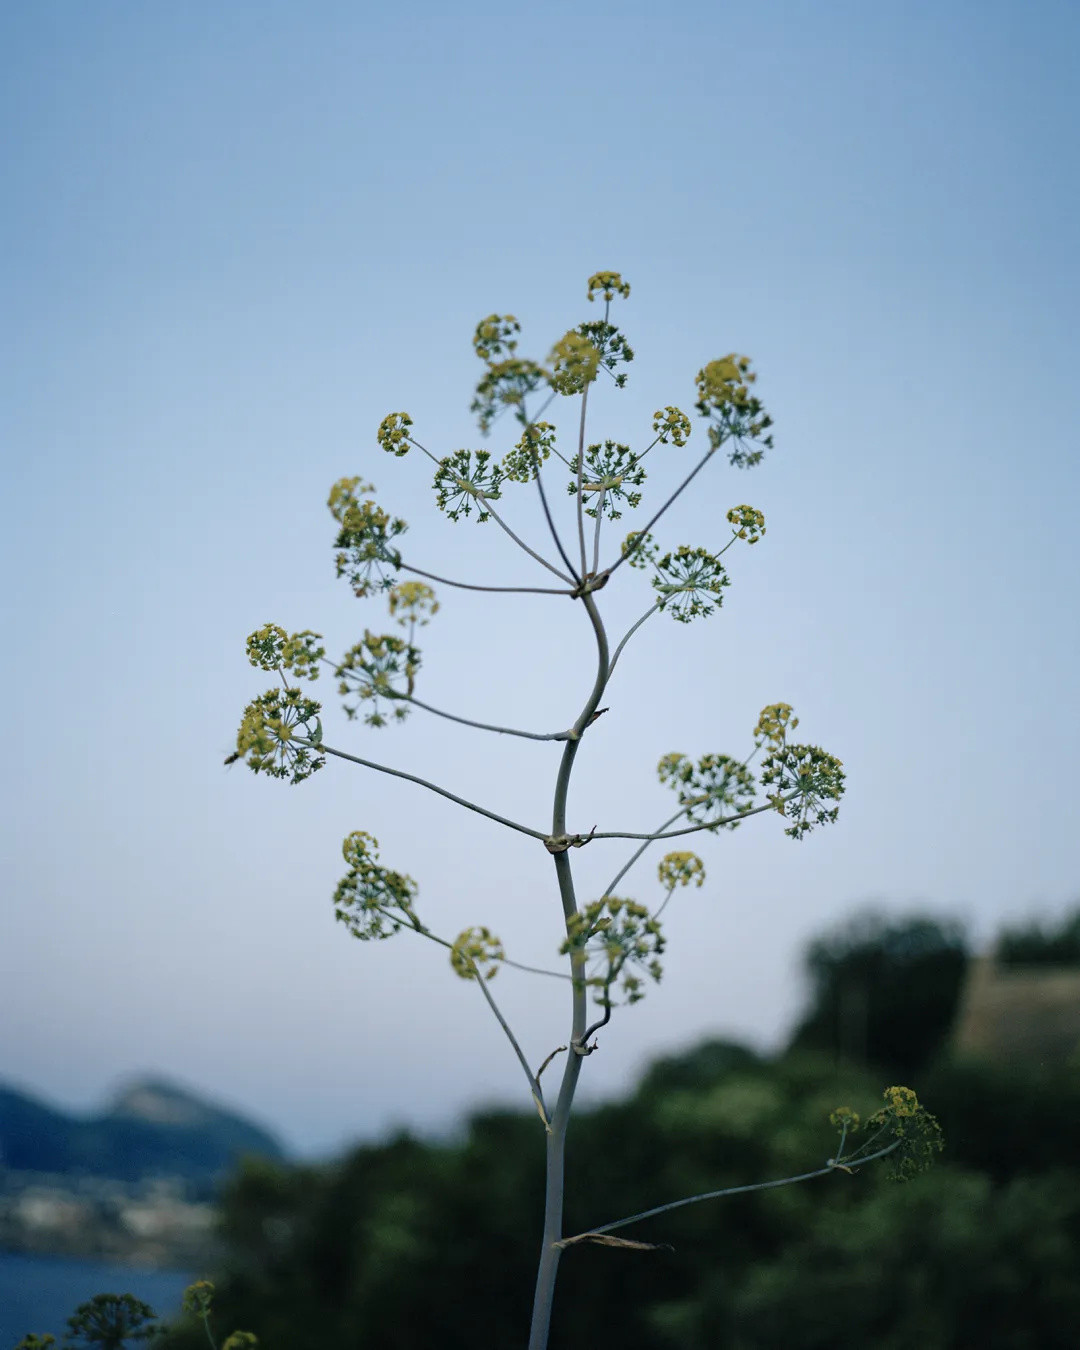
[[235, 236]]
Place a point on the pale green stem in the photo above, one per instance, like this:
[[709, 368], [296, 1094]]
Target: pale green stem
[[834, 1165], [693, 829], [487, 726], [550, 1251], [520, 542], [596, 536], [658, 834], [417, 927], [551, 527], [432, 787], [472, 586], [663, 906], [631, 631], [580, 481]]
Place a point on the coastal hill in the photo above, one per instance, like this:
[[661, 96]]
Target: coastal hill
[[134, 1183], [150, 1129]]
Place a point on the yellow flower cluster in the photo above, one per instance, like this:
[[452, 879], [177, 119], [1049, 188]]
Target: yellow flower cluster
[[609, 283], [473, 948], [748, 523], [574, 361], [680, 869], [671, 425], [393, 433]]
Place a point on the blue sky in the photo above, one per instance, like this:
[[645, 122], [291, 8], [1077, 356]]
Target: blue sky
[[237, 236]]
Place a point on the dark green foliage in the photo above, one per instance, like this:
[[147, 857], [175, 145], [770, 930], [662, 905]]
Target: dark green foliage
[[111, 1322], [884, 992], [1036, 944]]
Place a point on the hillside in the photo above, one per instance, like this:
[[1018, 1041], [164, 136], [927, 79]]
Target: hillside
[[150, 1129]]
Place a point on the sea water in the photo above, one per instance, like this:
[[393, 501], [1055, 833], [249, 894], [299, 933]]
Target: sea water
[[39, 1293]]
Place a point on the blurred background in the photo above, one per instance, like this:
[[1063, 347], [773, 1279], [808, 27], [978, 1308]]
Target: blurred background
[[236, 238]]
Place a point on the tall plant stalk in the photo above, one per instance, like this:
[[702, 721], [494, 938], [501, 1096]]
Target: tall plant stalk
[[612, 945]]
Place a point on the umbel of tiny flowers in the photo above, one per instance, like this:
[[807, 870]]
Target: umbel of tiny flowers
[[620, 939], [378, 668], [803, 777], [713, 791], [372, 901], [366, 555], [198, 1300]]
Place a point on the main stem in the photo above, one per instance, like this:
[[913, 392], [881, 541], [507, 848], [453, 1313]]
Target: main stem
[[550, 1252]]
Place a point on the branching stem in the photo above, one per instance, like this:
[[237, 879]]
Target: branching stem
[[432, 787], [833, 1165]]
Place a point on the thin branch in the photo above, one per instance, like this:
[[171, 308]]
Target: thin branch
[[418, 927], [551, 526], [631, 631], [658, 834], [580, 481], [534, 1084], [596, 534], [486, 503], [681, 488], [538, 970], [693, 829], [487, 726], [833, 1165], [433, 787], [471, 586]]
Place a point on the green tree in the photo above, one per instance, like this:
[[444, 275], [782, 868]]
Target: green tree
[[110, 1321], [1041, 944], [612, 945], [884, 991]]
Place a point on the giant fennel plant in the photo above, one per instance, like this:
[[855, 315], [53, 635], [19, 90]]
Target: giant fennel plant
[[611, 945]]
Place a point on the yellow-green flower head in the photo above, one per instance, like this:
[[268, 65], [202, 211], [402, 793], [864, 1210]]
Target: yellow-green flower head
[[494, 337], [474, 948], [671, 425], [346, 494], [372, 901], [641, 548], [618, 936], [270, 648], [747, 522], [681, 869], [691, 582], [197, 1298], [241, 1340], [506, 384], [522, 464], [393, 433], [774, 723], [268, 739], [574, 361], [360, 848], [608, 283], [715, 791], [465, 481], [725, 381], [844, 1118], [902, 1101], [413, 602], [374, 669]]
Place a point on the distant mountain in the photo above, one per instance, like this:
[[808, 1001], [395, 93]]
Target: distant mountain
[[150, 1129]]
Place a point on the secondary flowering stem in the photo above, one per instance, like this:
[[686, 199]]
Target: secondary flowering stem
[[833, 1165], [487, 726], [434, 787]]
